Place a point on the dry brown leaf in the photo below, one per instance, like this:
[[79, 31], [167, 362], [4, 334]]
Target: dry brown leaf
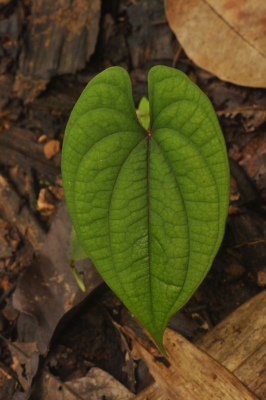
[[224, 37], [51, 148], [192, 373], [98, 384], [204, 376], [48, 290], [25, 358], [95, 385]]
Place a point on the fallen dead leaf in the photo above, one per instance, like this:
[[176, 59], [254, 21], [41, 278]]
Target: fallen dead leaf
[[224, 37], [192, 374], [51, 148], [48, 289], [251, 116], [25, 363], [96, 385]]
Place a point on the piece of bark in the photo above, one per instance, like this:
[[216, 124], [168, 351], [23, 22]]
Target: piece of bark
[[151, 37], [10, 28], [20, 215], [6, 84], [19, 147], [60, 39]]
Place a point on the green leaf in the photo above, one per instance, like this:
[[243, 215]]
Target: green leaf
[[77, 251], [143, 112], [149, 207]]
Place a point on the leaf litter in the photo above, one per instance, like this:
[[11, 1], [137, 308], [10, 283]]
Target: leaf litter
[[228, 37], [241, 113]]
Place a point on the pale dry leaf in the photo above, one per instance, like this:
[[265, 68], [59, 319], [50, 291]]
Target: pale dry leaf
[[192, 374], [96, 385], [206, 378], [51, 148], [224, 37]]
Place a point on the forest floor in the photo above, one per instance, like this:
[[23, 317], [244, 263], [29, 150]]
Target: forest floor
[[51, 332]]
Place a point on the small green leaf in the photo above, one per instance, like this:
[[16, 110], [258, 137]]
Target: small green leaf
[[149, 207], [143, 112], [76, 276]]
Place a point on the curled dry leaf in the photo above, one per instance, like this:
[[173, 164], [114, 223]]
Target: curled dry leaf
[[43, 206], [250, 116], [224, 37], [26, 360]]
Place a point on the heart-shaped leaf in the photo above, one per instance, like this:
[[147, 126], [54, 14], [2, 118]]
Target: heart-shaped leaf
[[149, 207]]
